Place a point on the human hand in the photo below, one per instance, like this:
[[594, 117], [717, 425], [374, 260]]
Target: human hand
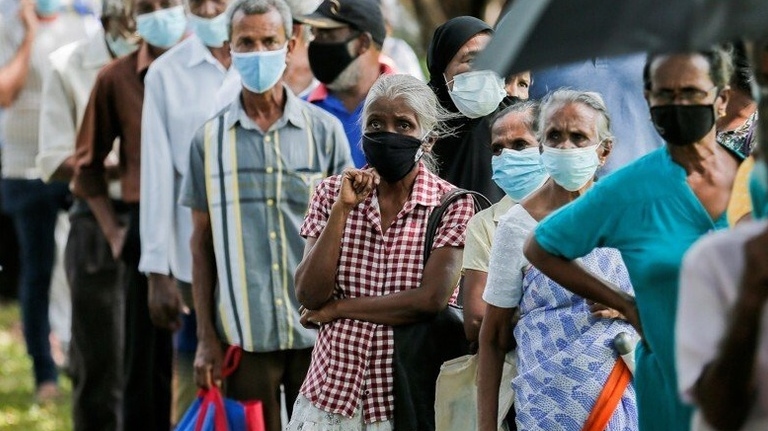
[[601, 311], [356, 185], [28, 16], [165, 302], [313, 319], [632, 316], [208, 359], [117, 241]]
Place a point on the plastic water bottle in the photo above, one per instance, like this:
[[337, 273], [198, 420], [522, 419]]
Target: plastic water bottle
[[625, 345]]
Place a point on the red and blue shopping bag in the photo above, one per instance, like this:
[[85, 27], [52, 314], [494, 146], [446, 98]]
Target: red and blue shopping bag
[[212, 412]]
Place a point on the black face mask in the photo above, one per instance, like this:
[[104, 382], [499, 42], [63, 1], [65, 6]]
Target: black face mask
[[391, 154], [683, 124], [328, 60]]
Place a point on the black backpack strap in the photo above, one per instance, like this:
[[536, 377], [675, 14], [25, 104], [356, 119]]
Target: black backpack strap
[[481, 203]]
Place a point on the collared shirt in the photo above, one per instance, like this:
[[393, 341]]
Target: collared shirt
[[255, 186], [113, 111], [709, 290], [21, 122], [352, 360], [178, 88], [323, 98], [480, 230], [66, 91]]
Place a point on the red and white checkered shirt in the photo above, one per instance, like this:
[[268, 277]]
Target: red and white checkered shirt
[[352, 359]]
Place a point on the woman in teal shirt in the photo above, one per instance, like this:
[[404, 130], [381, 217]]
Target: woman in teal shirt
[[652, 210]]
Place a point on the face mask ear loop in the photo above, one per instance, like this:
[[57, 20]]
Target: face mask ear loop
[[418, 155]]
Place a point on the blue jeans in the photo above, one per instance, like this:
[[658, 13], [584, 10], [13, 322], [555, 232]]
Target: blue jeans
[[33, 206]]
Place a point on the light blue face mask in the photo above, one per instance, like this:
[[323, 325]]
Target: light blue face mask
[[571, 168], [47, 7], [519, 173], [162, 28], [758, 190], [212, 31], [120, 46], [260, 70]]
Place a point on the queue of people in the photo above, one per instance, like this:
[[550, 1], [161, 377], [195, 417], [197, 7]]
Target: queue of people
[[258, 176]]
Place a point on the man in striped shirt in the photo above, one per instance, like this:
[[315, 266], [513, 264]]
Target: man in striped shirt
[[252, 169]]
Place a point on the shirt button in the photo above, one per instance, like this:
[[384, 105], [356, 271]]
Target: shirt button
[[275, 267], [278, 302], [270, 202], [270, 169], [272, 235], [267, 139]]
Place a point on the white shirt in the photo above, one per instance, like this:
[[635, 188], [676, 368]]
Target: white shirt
[[508, 264], [180, 92], [709, 287], [66, 91]]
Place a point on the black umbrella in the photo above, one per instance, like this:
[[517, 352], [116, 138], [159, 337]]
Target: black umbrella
[[539, 33]]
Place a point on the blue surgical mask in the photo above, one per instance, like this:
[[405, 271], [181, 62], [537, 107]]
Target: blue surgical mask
[[162, 28], [120, 46], [519, 173], [47, 7], [571, 168], [260, 70], [212, 31], [477, 93], [758, 190]]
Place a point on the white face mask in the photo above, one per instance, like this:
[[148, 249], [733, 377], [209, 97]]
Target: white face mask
[[571, 168], [477, 93]]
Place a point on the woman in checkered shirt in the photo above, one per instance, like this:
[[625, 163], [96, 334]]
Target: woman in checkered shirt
[[362, 271]]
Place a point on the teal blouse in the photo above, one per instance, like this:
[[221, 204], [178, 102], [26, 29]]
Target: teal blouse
[[647, 211]]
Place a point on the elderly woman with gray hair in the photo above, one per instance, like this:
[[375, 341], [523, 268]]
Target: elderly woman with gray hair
[[565, 356], [363, 270]]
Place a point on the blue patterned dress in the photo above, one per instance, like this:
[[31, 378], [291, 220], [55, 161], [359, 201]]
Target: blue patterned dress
[[565, 355]]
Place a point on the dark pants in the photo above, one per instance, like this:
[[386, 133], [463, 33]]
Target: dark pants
[[98, 327], [148, 350], [259, 376], [34, 206]]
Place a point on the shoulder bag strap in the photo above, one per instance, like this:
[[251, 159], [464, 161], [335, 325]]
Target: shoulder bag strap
[[481, 203]]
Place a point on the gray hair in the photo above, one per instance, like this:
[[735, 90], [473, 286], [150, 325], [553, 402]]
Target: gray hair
[[116, 8], [590, 99], [431, 117], [259, 7], [530, 107]]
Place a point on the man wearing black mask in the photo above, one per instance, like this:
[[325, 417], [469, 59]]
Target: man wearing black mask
[[344, 57]]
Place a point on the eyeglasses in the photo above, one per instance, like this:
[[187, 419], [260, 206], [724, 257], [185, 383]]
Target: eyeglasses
[[692, 95]]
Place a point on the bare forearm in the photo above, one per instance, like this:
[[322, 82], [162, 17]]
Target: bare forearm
[[726, 389], [474, 306], [65, 171], [105, 214], [13, 75], [575, 278], [316, 274], [494, 336], [203, 284], [400, 308]]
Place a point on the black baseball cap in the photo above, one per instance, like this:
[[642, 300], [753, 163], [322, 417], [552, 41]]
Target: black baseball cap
[[361, 15]]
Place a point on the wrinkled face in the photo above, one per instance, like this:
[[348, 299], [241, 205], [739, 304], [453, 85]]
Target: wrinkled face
[[207, 8], [683, 79], [518, 85], [572, 125], [512, 132], [392, 115], [462, 60], [258, 32]]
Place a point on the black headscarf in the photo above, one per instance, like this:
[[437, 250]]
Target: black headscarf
[[446, 42]]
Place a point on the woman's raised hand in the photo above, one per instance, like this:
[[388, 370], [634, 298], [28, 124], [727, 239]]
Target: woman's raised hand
[[356, 185]]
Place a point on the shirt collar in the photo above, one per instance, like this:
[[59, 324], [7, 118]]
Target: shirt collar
[[321, 92], [200, 53], [502, 207], [426, 188], [292, 113], [97, 53]]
